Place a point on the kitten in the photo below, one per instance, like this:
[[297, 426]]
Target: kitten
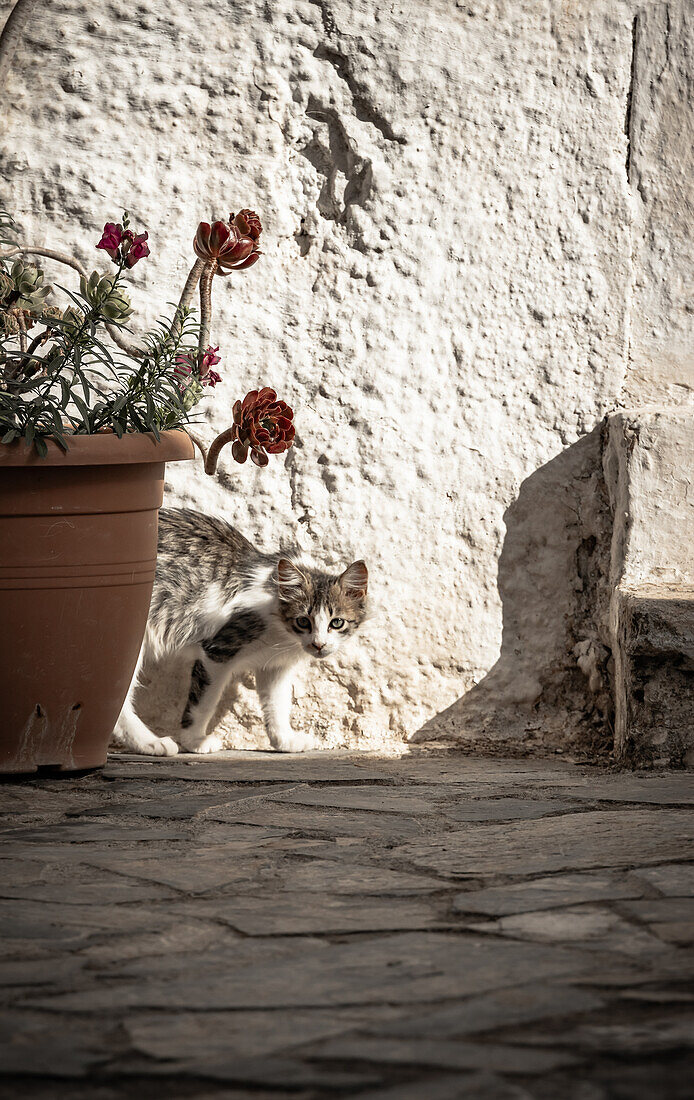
[[235, 610]]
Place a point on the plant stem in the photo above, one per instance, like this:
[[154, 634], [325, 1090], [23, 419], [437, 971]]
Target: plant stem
[[22, 332], [215, 447], [51, 253], [63, 258], [186, 296], [11, 35], [205, 306], [199, 444]]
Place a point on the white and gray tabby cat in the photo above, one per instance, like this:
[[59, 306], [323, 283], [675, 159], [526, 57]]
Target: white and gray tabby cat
[[236, 610]]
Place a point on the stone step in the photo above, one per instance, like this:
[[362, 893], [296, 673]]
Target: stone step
[[649, 470], [655, 705]]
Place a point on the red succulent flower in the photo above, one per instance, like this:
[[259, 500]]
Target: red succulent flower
[[263, 425], [227, 245], [248, 222]]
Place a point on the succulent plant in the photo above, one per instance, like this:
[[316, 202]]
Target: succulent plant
[[263, 425], [72, 318], [52, 313], [191, 394], [9, 326], [6, 286], [102, 292], [166, 376], [228, 246], [28, 284]]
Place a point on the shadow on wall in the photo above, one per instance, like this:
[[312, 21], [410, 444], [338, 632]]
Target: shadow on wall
[[550, 685]]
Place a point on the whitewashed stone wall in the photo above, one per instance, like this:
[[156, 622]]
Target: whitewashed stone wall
[[453, 238]]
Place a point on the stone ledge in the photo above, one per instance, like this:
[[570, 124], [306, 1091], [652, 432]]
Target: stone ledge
[[647, 460], [655, 689]]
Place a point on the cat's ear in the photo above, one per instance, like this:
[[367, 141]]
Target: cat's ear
[[355, 579], [291, 581]]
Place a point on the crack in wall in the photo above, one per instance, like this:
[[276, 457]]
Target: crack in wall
[[633, 182], [629, 112]]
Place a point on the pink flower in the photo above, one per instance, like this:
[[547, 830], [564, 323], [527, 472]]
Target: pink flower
[[111, 239], [209, 359], [122, 245], [137, 250], [211, 378]]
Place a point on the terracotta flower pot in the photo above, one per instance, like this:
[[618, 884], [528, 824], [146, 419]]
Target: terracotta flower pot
[[78, 547]]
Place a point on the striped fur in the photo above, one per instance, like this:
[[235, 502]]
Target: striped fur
[[234, 609]]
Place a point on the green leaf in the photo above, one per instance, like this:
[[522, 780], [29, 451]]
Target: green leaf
[[83, 409], [65, 392]]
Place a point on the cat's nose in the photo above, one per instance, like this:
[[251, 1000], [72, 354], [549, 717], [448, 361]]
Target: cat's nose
[[317, 646]]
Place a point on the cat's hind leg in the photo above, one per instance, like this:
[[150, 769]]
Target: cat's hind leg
[[132, 735], [208, 680]]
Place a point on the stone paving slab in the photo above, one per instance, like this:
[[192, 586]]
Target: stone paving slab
[[182, 806], [423, 928], [288, 915], [393, 969], [473, 1086], [444, 1054], [608, 838], [674, 879], [594, 927], [195, 871], [547, 893], [332, 822], [519, 1004], [335, 877]]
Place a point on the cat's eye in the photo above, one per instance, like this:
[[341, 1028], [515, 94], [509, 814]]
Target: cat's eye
[[303, 622], [337, 624]]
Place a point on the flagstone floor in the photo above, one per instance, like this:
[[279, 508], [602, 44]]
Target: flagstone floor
[[429, 928]]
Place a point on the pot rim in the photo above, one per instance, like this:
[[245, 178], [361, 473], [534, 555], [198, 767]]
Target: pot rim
[[103, 449]]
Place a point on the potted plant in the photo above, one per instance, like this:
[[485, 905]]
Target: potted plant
[[88, 419]]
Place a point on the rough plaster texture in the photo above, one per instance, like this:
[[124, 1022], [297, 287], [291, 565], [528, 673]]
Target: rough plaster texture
[[660, 166], [454, 234]]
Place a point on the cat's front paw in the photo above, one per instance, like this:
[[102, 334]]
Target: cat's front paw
[[211, 743], [162, 746], [295, 742]]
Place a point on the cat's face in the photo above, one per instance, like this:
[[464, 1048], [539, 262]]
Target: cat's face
[[321, 610]]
